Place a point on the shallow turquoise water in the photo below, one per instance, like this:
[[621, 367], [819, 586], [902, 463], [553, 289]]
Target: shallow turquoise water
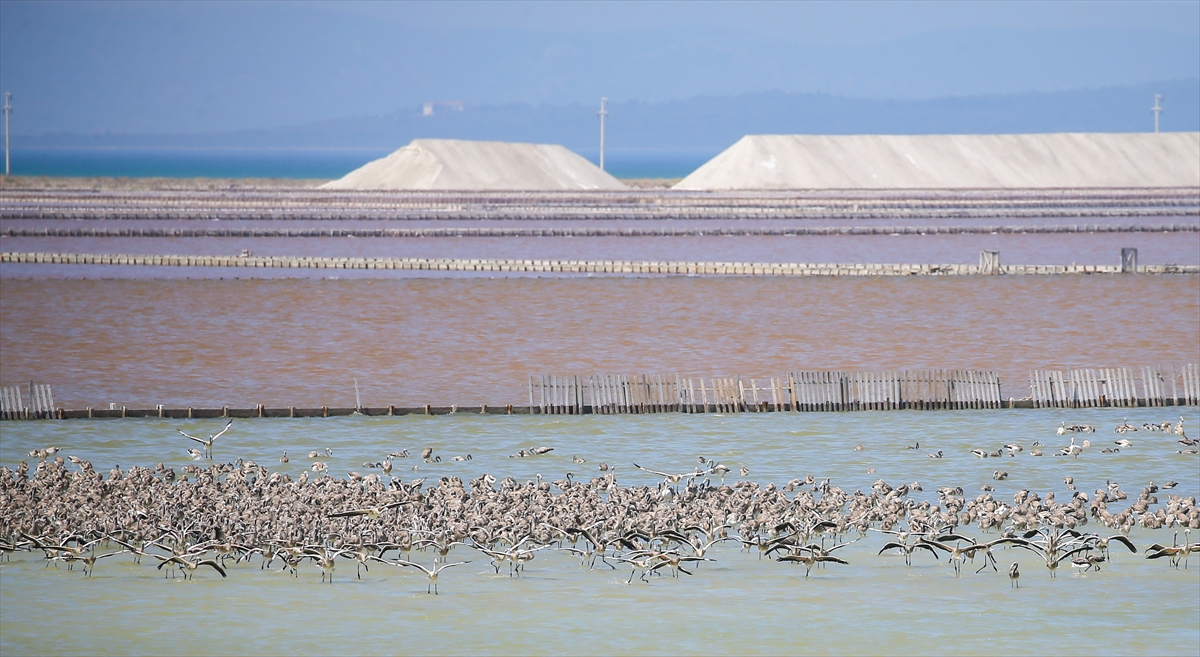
[[737, 604]]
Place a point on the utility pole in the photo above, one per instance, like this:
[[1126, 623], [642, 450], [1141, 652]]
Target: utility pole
[[1157, 109], [7, 111], [603, 113]]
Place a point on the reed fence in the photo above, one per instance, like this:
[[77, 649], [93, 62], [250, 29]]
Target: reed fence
[[580, 267], [798, 391], [1116, 386], [41, 402]]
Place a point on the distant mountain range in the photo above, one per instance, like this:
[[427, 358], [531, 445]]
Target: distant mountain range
[[705, 124]]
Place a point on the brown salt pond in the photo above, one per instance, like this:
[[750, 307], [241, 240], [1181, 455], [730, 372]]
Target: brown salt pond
[[302, 342], [410, 341]]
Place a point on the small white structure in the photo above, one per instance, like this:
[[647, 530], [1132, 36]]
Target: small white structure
[[428, 107], [478, 165], [1062, 160]]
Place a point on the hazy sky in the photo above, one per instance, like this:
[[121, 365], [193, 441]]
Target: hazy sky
[[155, 67], [839, 23]]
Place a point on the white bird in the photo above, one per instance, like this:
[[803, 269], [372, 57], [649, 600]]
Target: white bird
[[1072, 449], [431, 573], [212, 438], [673, 478]]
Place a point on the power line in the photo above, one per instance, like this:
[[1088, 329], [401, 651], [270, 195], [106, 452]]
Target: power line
[[7, 111], [603, 113]]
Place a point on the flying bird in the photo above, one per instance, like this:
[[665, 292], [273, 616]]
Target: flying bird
[[212, 438]]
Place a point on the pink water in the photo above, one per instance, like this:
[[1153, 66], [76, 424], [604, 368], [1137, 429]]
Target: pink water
[[302, 342]]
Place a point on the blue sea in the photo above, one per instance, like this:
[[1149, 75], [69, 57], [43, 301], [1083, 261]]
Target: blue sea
[[287, 163]]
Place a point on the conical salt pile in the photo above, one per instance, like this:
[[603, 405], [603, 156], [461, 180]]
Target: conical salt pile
[[953, 162], [478, 165]]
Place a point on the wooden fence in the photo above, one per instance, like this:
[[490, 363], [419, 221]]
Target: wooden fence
[[809, 390], [616, 267], [41, 402], [798, 391], [76, 230], [1118, 386]]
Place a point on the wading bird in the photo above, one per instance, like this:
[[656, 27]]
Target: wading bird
[[189, 567], [673, 479], [208, 442], [89, 561], [431, 573], [810, 559], [372, 512], [908, 550]]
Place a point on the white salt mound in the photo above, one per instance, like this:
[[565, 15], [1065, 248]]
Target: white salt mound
[[953, 161], [477, 165]]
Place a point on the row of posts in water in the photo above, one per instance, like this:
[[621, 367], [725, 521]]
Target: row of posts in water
[[862, 390], [989, 265], [810, 391], [798, 391], [41, 402], [586, 231], [1117, 386]]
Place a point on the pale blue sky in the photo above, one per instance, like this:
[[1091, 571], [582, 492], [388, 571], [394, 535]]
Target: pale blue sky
[[814, 23], [155, 67]]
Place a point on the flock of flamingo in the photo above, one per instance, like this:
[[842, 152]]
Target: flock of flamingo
[[225, 514]]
